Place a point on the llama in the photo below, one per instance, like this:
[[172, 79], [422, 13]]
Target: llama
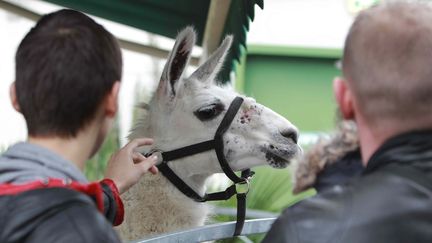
[[185, 111]]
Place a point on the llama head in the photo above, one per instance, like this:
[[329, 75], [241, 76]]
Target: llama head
[[188, 110]]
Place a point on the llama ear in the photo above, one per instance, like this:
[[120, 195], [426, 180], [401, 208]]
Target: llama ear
[[208, 70], [177, 62]]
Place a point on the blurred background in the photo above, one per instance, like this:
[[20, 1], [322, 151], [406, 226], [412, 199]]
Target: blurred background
[[287, 62]]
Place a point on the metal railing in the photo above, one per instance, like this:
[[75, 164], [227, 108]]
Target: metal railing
[[250, 213], [212, 232]]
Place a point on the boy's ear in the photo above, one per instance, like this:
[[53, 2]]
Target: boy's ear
[[111, 100], [344, 98], [13, 97]]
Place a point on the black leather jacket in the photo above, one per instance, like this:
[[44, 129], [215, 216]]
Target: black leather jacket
[[57, 214], [391, 201], [340, 172]]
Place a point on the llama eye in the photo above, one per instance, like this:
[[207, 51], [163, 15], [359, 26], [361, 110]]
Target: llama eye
[[209, 112]]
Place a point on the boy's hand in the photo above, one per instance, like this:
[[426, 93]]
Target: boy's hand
[[127, 165]]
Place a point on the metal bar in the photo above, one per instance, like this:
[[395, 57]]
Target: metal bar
[[125, 44], [20, 11], [212, 232], [216, 18], [250, 213]]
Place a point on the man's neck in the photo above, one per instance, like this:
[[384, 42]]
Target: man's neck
[[371, 138], [368, 144]]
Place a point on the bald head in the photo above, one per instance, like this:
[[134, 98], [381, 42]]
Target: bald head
[[388, 64]]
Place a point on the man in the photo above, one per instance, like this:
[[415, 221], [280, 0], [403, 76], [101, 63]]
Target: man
[[68, 71], [387, 90]]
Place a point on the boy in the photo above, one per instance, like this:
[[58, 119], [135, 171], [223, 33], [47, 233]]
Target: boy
[[68, 71]]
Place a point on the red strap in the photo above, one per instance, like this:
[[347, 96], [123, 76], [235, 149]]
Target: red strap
[[120, 208], [92, 189]]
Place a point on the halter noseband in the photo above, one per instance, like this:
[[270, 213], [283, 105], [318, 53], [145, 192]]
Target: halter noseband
[[240, 186]]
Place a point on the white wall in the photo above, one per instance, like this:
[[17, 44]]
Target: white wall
[[12, 126], [305, 23]]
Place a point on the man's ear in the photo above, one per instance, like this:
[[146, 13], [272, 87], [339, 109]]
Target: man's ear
[[344, 98], [111, 100], [13, 97]]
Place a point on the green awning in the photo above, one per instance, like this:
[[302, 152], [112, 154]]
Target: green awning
[[168, 17]]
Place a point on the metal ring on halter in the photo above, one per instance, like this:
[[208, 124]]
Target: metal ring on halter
[[242, 187], [153, 151]]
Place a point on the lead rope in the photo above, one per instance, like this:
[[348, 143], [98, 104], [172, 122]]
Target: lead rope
[[241, 203], [240, 186]]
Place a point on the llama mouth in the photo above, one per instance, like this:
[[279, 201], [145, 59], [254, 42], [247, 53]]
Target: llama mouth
[[276, 161], [277, 157]]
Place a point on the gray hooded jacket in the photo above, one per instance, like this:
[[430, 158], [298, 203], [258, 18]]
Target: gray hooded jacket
[[53, 214], [24, 162]]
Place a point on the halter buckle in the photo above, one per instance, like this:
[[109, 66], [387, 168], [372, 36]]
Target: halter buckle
[[242, 187]]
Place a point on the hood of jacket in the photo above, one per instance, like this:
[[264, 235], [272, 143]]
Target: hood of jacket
[[24, 162], [333, 157]]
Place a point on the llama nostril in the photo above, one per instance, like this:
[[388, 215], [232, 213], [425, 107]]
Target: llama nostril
[[292, 134]]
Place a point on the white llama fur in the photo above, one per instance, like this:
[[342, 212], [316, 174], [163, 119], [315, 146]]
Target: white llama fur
[[257, 136]]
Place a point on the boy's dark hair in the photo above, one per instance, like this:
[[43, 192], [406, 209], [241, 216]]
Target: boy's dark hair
[[65, 66]]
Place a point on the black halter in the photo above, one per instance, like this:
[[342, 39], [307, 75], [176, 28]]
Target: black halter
[[240, 186]]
